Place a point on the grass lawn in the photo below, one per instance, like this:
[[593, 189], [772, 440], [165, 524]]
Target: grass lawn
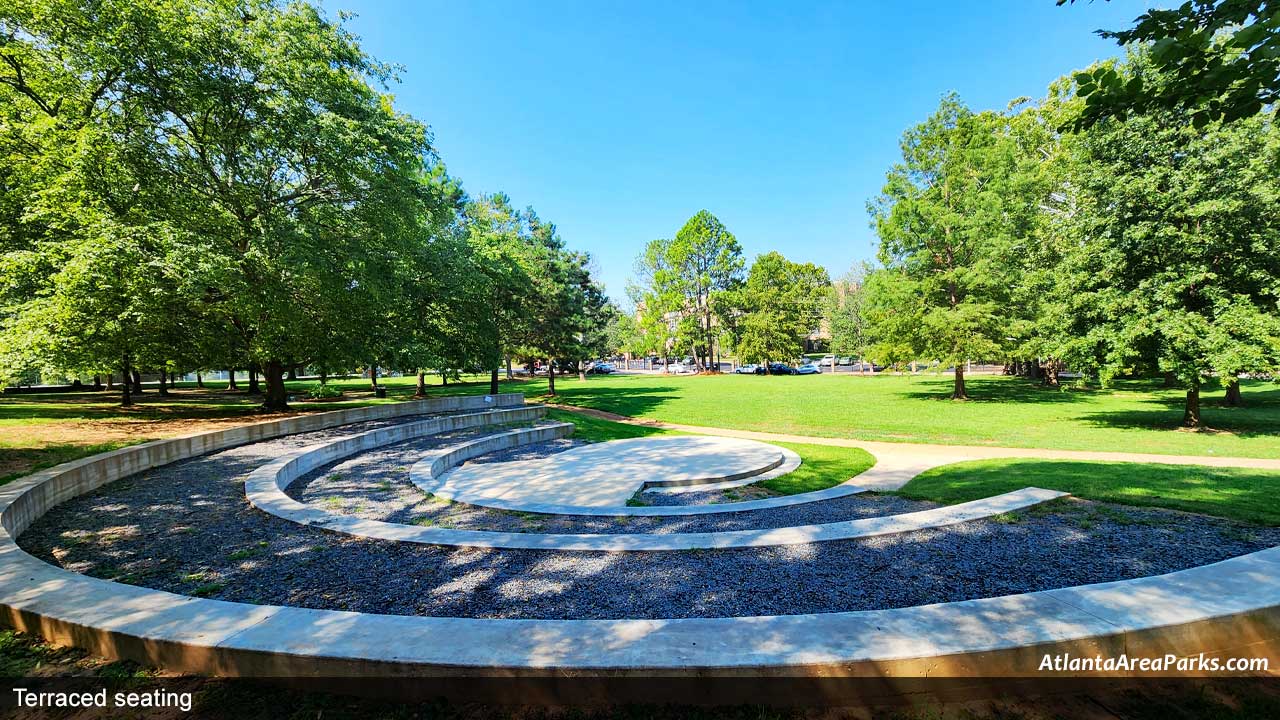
[[823, 466], [1135, 416], [41, 430], [1242, 494]]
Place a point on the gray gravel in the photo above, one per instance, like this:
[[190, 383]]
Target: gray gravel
[[187, 528]]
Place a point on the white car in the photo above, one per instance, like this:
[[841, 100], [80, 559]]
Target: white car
[[827, 361], [808, 369]]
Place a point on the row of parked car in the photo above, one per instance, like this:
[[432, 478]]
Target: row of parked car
[[777, 368]]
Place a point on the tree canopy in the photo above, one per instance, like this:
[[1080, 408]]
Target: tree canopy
[[227, 183]]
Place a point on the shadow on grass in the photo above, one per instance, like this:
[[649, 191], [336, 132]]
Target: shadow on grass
[[630, 401], [1259, 416], [147, 406], [995, 390]]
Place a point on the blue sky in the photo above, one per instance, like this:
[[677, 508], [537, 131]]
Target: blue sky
[[617, 121]]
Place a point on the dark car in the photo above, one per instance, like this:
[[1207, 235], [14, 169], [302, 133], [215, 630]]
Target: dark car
[[778, 368]]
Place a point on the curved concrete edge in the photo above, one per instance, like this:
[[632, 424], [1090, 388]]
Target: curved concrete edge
[[703, 482], [1231, 608], [265, 486], [791, 461], [20, 504], [265, 489], [1227, 609]]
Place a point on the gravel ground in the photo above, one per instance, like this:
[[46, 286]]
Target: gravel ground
[[187, 528]]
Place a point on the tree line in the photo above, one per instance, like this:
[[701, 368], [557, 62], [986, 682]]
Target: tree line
[[223, 184], [1115, 243]]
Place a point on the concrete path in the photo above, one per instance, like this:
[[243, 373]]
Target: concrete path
[[608, 474]]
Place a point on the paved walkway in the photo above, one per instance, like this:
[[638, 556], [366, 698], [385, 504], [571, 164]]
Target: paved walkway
[[929, 454]]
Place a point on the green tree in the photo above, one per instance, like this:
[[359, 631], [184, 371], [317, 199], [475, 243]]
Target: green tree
[[944, 222], [782, 302], [684, 277], [1173, 237], [1212, 59], [843, 312]]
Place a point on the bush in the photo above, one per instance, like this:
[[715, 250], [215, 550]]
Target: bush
[[324, 392]]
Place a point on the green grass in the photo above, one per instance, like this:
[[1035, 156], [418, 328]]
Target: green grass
[[34, 459], [1136, 416], [1241, 494], [823, 466]]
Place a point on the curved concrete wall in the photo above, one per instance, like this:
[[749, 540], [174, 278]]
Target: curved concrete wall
[[1231, 608]]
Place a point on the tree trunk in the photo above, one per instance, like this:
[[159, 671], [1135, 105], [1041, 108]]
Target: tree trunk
[[324, 377], [510, 375], [421, 389], [1051, 370], [276, 400], [373, 376], [493, 381], [254, 387], [551, 378], [1191, 414], [1233, 399], [173, 378], [1170, 380], [444, 378], [231, 379], [111, 381], [293, 372], [958, 393], [137, 381], [164, 389], [582, 370], [126, 395], [200, 381]]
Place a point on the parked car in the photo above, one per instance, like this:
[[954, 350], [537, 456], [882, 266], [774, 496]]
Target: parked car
[[808, 369], [777, 368], [827, 361], [751, 369], [601, 369]]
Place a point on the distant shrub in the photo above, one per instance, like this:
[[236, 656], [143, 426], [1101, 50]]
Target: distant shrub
[[324, 392]]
